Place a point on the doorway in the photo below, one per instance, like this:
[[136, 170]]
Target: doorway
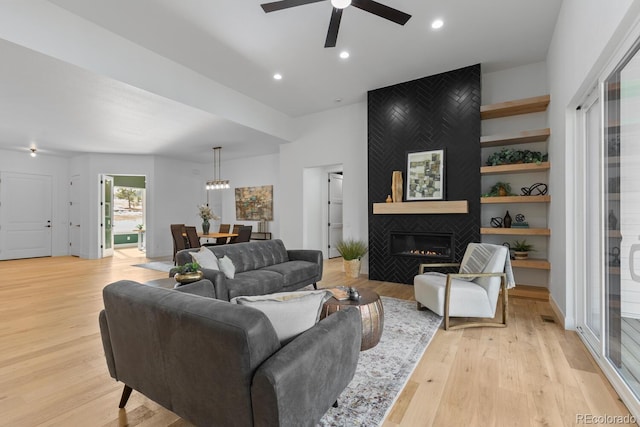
[[123, 212], [335, 213], [608, 309]]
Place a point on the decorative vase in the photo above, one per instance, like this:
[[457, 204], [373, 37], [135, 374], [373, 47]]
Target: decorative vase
[[389, 199], [205, 226], [396, 186], [506, 222], [352, 268], [190, 277], [502, 191], [613, 221]]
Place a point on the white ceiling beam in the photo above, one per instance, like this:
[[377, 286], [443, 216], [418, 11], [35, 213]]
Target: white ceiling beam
[[51, 30]]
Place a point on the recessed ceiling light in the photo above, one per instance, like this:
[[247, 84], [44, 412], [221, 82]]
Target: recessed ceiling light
[[340, 4], [437, 24], [344, 54], [277, 76]]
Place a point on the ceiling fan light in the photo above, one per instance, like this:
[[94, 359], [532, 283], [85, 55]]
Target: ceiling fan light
[[340, 4]]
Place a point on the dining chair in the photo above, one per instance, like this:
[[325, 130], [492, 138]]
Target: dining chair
[[192, 236], [236, 230], [179, 241], [244, 234]]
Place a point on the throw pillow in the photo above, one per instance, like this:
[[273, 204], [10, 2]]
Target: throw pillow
[[205, 258], [290, 313], [227, 267]]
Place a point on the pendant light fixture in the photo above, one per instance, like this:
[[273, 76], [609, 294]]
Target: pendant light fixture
[[216, 183]]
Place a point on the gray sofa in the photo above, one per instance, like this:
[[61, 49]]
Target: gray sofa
[[262, 267], [215, 363]]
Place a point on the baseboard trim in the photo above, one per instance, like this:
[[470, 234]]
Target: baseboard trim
[[557, 312]]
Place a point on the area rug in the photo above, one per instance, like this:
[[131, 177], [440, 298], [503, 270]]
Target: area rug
[[157, 265], [384, 370]]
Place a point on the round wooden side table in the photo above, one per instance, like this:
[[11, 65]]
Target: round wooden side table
[[371, 312]]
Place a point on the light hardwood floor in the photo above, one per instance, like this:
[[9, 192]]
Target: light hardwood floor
[[53, 373]]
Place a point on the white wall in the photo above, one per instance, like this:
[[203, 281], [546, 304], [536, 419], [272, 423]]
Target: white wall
[[585, 33], [57, 168], [333, 137], [249, 172], [174, 191]]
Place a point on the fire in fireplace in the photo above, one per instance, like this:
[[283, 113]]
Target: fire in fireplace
[[426, 245]]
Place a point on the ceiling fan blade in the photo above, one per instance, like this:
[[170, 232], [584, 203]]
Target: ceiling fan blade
[[334, 26], [285, 4], [382, 11]]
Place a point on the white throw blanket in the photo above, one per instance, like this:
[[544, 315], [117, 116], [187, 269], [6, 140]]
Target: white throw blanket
[[480, 258]]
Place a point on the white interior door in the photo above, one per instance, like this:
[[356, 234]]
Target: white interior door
[[335, 213], [106, 215], [75, 233], [25, 215]]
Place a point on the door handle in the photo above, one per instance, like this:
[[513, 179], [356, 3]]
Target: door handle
[[634, 248]]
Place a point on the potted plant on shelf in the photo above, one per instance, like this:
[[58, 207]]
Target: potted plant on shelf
[[521, 249], [352, 252], [187, 273], [499, 189]]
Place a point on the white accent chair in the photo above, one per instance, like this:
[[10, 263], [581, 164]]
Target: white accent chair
[[469, 293]]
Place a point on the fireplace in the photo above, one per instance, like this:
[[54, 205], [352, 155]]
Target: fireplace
[[431, 113], [423, 245]]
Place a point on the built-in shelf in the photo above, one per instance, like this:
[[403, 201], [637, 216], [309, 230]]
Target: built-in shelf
[[516, 231], [515, 168], [538, 264], [514, 108], [529, 291], [524, 137], [435, 207], [614, 196], [516, 199]]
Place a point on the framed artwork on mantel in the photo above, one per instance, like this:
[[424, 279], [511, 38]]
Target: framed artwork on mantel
[[425, 175]]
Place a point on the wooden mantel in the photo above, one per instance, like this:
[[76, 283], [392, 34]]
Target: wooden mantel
[[435, 207]]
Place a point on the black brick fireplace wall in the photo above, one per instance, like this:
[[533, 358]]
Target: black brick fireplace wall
[[440, 111]]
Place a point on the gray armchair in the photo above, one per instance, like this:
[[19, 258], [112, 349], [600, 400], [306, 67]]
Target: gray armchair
[[214, 363]]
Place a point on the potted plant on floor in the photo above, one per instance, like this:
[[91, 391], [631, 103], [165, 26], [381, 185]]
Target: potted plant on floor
[[352, 251], [187, 273], [521, 249]]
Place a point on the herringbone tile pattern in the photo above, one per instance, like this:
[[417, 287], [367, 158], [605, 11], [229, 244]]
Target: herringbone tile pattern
[[441, 111]]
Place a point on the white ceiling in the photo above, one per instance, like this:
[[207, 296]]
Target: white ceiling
[[65, 109]]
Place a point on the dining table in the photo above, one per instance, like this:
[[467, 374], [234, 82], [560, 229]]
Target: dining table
[[216, 235]]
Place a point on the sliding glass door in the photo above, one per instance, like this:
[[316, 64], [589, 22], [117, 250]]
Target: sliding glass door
[[609, 303], [622, 201]]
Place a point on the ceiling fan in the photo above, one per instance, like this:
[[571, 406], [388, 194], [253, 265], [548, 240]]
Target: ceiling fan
[[370, 6]]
